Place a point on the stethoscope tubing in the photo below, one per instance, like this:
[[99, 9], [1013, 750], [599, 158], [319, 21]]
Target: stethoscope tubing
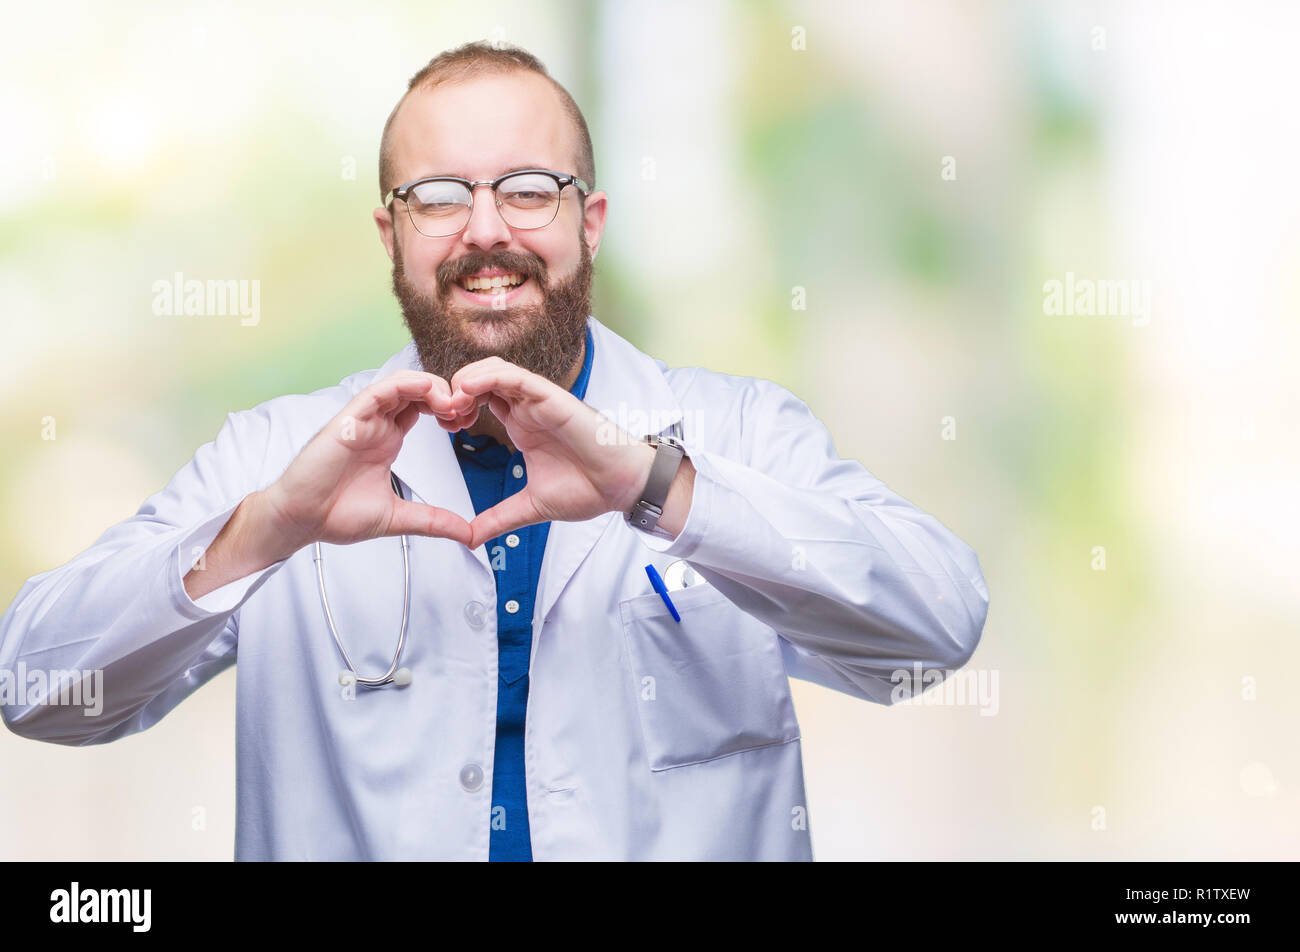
[[387, 676]]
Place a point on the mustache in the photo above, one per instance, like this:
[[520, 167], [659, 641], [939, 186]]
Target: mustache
[[530, 266]]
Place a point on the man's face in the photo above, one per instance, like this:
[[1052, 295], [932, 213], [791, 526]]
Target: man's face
[[480, 129]]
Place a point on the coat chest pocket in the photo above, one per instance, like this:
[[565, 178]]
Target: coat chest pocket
[[713, 685]]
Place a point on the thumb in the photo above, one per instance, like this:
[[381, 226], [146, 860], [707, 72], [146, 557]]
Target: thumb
[[417, 518], [509, 514]]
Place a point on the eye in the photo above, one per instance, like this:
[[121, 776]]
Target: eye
[[438, 196]]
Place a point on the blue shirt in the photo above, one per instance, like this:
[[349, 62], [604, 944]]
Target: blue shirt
[[492, 473]]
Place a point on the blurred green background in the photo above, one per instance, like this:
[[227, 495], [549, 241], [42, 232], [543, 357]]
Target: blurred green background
[[916, 173]]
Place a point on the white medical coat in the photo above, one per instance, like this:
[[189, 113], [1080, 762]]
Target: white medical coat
[[645, 739]]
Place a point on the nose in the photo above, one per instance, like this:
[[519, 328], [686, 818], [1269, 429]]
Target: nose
[[486, 228]]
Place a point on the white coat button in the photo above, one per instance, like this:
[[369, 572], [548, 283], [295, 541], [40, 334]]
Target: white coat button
[[518, 471], [512, 606], [512, 540], [471, 777], [474, 614]]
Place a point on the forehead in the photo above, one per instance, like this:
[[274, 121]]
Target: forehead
[[481, 127]]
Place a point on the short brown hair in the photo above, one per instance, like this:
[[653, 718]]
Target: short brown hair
[[472, 59]]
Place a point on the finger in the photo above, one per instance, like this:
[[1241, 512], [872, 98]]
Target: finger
[[408, 417], [475, 368], [462, 402], [396, 390], [462, 420], [468, 411], [509, 514], [507, 380], [451, 426], [439, 397], [458, 421], [500, 376], [417, 518]]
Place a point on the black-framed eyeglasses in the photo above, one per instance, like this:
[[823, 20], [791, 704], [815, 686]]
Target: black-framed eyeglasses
[[440, 205]]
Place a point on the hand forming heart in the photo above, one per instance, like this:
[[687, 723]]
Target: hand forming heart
[[580, 465], [576, 469]]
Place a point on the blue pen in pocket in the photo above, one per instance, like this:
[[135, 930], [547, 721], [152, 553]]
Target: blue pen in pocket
[[662, 589]]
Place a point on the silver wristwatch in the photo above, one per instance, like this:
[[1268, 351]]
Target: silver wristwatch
[[668, 456]]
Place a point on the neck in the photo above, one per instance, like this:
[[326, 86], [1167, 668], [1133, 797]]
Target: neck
[[489, 424]]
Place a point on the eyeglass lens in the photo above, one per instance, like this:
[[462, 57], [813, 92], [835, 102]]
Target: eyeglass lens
[[443, 208]]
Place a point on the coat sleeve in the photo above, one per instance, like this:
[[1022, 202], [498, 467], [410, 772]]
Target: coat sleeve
[[858, 583], [116, 625]]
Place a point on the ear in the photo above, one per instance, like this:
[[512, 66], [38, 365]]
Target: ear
[[593, 221], [384, 221]]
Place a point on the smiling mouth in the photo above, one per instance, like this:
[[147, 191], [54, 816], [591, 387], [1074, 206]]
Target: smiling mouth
[[488, 286]]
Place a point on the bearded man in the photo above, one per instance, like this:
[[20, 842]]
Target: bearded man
[[609, 568]]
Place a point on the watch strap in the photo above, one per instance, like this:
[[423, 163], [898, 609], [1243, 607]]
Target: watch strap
[[668, 457]]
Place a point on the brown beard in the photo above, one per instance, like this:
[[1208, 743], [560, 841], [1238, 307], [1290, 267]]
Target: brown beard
[[545, 338]]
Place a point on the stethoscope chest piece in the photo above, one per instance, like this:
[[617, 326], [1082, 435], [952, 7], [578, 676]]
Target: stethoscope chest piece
[[680, 575]]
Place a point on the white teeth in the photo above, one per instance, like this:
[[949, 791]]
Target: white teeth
[[493, 284]]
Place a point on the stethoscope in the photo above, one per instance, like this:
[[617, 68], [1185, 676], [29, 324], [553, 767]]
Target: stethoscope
[[394, 675]]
